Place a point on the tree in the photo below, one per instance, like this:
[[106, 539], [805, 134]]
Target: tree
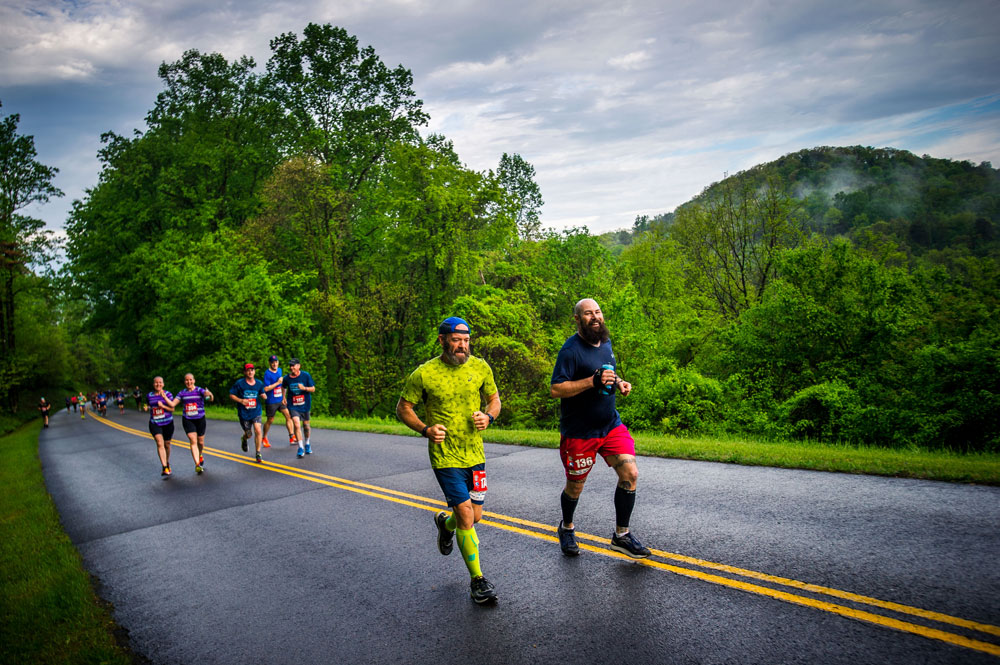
[[343, 105], [732, 235], [23, 181], [518, 177]]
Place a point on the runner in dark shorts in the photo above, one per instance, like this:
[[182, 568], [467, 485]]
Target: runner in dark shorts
[[161, 422], [192, 400], [249, 395]]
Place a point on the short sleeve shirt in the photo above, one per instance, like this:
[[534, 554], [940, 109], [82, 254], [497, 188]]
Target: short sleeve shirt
[[157, 414], [591, 414], [298, 399], [254, 392], [451, 394], [274, 396], [192, 403]]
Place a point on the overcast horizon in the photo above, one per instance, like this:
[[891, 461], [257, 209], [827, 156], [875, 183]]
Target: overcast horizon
[[623, 109]]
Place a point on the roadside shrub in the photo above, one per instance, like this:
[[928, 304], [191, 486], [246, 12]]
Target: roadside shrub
[[671, 400], [826, 411]]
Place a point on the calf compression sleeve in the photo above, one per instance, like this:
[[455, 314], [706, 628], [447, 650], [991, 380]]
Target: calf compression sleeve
[[468, 545], [624, 503], [568, 507]]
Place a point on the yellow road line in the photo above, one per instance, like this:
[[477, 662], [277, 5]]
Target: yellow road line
[[417, 501]]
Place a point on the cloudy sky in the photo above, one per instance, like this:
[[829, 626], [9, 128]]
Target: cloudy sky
[[624, 108]]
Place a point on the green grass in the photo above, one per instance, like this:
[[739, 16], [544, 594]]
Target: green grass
[[49, 612], [981, 468]]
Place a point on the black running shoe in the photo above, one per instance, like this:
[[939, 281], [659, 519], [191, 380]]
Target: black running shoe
[[243, 442], [629, 545], [446, 537], [165, 473], [482, 591], [567, 541], [259, 458]]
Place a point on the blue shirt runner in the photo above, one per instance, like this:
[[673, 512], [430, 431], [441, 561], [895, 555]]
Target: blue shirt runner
[[298, 399], [255, 393]]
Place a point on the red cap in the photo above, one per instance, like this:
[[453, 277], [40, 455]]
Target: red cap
[[248, 366]]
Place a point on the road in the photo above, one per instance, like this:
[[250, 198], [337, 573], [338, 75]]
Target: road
[[332, 558]]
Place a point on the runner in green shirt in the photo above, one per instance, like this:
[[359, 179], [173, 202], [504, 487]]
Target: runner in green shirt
[[453, 388]]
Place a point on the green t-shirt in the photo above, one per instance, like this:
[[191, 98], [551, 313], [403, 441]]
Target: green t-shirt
[[451, 394]]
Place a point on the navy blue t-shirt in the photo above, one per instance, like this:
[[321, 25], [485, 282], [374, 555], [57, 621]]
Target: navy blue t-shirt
[[298, 399], [244, 390], [590, 414]]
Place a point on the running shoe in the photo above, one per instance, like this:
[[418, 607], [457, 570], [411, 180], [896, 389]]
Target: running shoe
[[309, 449], [628, 544], [292, 440], [201, 460], [266, 443], [166, 472], [260, 459], [198, 469], [301, 452], [567, 541], [446, 537], [243, 442], [482, 591]]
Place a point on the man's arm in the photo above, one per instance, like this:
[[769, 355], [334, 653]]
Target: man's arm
[[571, 388], [406, 413], [482, 418]]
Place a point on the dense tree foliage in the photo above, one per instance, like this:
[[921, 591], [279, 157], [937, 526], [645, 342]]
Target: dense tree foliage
[[843, 294], [25, 247]]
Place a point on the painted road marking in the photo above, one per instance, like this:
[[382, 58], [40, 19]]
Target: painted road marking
[[544, 531]]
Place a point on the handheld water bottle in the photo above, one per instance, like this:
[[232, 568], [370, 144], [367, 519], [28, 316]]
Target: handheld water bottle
[[609, 388]]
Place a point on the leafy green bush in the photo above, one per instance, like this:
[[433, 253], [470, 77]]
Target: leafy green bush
[[671, 400], [826, 411]]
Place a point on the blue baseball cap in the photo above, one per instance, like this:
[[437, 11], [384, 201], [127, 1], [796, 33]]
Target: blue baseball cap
[[450, 324]]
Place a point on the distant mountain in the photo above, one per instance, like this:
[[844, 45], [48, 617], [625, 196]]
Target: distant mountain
[[923, 202]]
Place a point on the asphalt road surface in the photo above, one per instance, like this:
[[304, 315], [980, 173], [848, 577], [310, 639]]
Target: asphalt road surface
[[333, 558]]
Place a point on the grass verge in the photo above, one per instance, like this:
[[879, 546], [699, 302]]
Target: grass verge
[[981, 468], [49, 612]]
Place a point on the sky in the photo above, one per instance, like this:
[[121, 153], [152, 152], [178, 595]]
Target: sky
[[623, 108]]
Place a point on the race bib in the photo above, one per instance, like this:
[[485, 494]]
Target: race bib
[[298, 400], [157, 411], [252, 403], [479, 480], [277, 392], [190, 409]]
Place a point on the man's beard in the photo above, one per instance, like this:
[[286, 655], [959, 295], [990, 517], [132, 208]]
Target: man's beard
[[592, 335], [454, 358]]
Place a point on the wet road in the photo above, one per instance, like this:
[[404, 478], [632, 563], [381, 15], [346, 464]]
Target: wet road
[[332, 558]]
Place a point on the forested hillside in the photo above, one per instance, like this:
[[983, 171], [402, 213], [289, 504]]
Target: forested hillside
[[837, 293]]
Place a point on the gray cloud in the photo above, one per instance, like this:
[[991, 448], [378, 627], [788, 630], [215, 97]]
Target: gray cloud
[[624, 108]]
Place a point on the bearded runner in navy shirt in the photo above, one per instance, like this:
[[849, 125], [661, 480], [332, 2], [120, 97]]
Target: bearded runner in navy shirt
[[249, 395], [585, 381]]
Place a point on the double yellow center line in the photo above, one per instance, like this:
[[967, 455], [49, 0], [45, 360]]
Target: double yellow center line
[[780, 588]]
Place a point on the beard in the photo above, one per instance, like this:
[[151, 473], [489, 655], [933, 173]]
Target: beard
[[592, 334], [459, 358]]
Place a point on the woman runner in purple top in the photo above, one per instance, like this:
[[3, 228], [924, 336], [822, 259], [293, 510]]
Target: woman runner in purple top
[[192, 399], [161, 422]]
